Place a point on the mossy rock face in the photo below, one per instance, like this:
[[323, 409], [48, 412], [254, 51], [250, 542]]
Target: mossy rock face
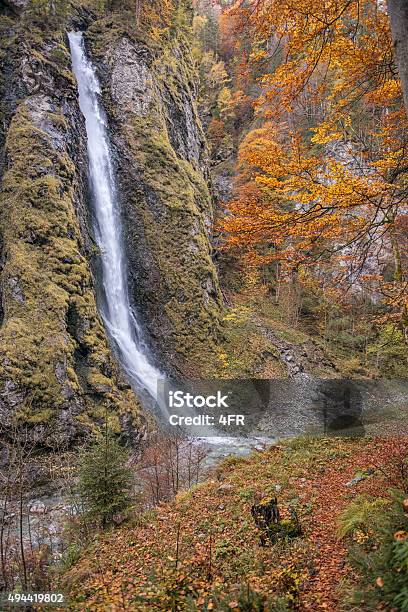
[[56, 369], [161, 163]]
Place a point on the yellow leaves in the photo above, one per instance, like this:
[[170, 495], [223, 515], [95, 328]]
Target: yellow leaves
[[386, 94], [224, 99], [360, 536], [388, 162], [257, 56], [324, 134]]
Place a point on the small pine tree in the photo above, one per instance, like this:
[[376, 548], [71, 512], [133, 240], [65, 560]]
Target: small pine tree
[[104, 479]]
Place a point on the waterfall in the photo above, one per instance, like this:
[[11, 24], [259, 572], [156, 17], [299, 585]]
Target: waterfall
[[116, 311]]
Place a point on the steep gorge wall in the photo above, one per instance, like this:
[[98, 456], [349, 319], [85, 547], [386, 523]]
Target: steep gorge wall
[[57, 371], [149, 93], [56, 368]]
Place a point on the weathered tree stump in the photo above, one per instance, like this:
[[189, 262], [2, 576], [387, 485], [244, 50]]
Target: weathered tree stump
[[269, 523]]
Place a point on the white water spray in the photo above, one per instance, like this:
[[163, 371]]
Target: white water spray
[[116, 312]]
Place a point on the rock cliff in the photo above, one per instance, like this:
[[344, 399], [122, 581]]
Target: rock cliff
[[149, 93], [56, 369]]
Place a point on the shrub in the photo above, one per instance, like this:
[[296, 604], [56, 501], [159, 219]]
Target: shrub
[[379, 551]]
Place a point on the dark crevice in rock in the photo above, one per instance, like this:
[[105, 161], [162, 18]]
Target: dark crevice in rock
[[72, 320], [10, 8]]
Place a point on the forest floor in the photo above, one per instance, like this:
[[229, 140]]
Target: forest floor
[[202, 550]]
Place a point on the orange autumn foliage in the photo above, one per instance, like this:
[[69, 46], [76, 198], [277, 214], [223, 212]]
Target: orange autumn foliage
[[323, 181]]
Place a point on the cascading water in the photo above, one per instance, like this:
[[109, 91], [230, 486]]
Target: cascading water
[[116, 311]]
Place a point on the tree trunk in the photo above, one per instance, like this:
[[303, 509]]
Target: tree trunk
[[138, 12], [398, 13], [23, 559]]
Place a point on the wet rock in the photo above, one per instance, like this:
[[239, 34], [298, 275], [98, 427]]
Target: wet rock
[[60, 372], [132, 82], [10, 394], [67, 392]]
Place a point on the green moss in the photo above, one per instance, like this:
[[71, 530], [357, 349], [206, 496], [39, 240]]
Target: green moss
[[53, 346], [97, 380], [167, 201], [41, 416], [243, 351], [179, 193]]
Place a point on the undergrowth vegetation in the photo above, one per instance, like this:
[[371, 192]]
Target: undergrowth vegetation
[[202, 550]]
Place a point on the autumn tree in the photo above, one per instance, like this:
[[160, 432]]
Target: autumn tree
[[324, 191]]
